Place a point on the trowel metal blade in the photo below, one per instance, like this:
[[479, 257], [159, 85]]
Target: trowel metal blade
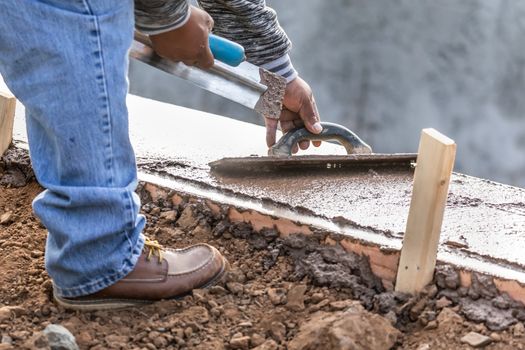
[[256, 165], [241, 84]]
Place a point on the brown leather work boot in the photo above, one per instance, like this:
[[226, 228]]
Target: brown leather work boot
[[160, 273]]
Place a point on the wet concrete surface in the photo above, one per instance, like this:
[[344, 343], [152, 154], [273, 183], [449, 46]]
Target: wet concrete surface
[[484, 221]]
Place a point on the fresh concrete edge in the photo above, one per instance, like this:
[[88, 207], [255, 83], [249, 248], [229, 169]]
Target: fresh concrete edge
[[383, 254]]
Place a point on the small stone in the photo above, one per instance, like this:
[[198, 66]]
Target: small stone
[[235, 288], [476, 340], [431, 291], [6, 218], [518, 330], [495, 336], [416, 310], [60, 338], [431, 325], [319, 305], [295, 298], [187, 219], [188, 332], [316, 297], [257, 339], [240, 343], [170, 216], [160, 342], [270, 344], [278, 331], [277, 295], [424, 347], [443, 302], [341, 305], [7, 339], [217, 290], [246, 324]]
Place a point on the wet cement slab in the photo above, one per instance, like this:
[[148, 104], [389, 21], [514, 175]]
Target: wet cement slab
[[484, 223]]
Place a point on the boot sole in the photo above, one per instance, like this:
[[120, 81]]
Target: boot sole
[[115, 303]]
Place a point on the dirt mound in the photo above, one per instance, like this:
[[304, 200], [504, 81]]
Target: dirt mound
[[282, 293]]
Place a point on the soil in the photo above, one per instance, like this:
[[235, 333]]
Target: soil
[[287, 293]]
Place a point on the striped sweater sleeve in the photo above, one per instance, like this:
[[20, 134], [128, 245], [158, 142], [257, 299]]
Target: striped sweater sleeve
[[253, 25], [249, 22], [159, 16]]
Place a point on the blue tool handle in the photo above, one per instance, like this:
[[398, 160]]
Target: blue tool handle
[[226, 51]]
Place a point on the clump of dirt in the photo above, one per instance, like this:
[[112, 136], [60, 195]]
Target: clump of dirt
[[290, 292]]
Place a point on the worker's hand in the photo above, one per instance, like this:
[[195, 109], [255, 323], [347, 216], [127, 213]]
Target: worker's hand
[[299, 109], [188, 43]]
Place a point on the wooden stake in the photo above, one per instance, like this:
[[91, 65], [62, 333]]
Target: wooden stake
[[7, 119], [435, 162]]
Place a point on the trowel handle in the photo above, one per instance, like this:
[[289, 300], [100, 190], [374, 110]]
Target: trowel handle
[[226, 51], [331, 131]]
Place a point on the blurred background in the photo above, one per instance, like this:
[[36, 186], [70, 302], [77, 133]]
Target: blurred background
[[388, 68]]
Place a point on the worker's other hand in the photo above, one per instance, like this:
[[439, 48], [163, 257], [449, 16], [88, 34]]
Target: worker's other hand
[[188, 43], [299, 109]]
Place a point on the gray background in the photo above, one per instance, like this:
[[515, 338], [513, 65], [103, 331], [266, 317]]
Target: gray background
[[388, 68]]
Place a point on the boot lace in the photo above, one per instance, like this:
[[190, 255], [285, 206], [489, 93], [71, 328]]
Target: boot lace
[[155, 248]]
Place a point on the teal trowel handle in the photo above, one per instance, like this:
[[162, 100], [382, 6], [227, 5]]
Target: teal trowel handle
[[226, 51]]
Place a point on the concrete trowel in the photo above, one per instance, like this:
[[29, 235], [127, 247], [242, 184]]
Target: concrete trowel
[[280, 159], [230, 77]]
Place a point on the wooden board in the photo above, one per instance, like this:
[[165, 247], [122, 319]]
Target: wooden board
[[435, 162], [7, 117]]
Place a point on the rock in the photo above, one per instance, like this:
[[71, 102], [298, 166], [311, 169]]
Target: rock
[[431, 325], [278, 331], [170, 216], [235, 288], [198, 314], [187, 220], [342, 304], [495, 336], [443, 302], [447, 317], [518, 330], [424, 347], [502, 301], [316, 297], [217, 290], [482, 310], [6, 218], [431, 291], [257, 339], [476, 340], [240, 343], [277, 295], [416, 310], [7, 312], [447, 277], [9, 347], [188, 332], [296, 298], [270, 344], [60, 338], [160, 342], [319, 305], [354, 328], [6, 339]]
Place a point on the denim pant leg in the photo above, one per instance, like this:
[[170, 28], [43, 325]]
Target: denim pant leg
[[66, 61]]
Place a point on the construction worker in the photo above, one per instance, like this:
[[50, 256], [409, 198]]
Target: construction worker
[[67, 61]]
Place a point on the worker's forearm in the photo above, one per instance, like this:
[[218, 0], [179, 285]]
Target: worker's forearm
[[159, 16]]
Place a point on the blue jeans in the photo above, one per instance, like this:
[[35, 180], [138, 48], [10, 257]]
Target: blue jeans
[[66, 61]]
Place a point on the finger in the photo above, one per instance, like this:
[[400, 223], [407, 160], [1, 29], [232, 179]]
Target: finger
[[295, 149], [310, 116], [206, 60], [287, 119], [304, 145], [316, 143], [271, 129]]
